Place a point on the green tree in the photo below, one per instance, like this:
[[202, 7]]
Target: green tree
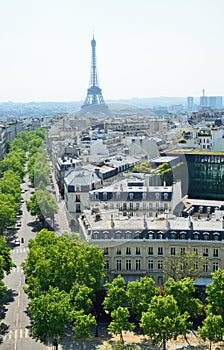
[[81, 325], [5, 264], [183, 265], [163, 320], [115, 294], [144, 167], [42, 205], [212, 329], [215, 294], [183, 292], [120, 322], [60, 262], [140, 293], [50, 312], [7, 211]]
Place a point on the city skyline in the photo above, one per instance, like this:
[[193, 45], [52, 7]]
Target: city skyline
[[144, 49]]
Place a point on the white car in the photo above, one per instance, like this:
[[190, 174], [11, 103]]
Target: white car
[[16, 242]]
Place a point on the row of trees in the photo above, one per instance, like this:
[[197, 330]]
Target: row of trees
[[62, 277], [12, 170], [165, 313], [161, 314], [41, 203]]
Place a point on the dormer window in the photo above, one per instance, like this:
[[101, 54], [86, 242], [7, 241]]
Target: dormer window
[[157, 195], [165, 195], [131, 195]]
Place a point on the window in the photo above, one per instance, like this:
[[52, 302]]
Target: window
[[205, 267], [160, 265], [173, 235], [150, 251], [107, 265], [78, 208], [104, 196], [196, 266], [118, 235], [160, 250], [182, 251], [173, 251], [128, 265], [118, 251], [138, 251], [131, 195], [215, 266], [150, 264], [195, 251], [205, 252], [77, 198], [157, 195], [105, 251], [128, 251], [118, 263], [206, 236], [160, 280], [165, 196], [215, 253], [138, 265]]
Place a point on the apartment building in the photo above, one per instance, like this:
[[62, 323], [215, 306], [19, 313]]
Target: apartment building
[[138, 246]]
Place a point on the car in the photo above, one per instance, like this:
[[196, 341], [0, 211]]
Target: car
[[17, 242], [18, 223]]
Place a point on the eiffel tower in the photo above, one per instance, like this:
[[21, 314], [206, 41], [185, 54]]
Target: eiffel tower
[[94, 101]]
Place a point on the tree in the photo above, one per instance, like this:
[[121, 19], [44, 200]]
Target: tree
[[5, 264], [140, 293], [120, 322], [183, 265], [60, 262], [212, 329], [183, 292], [215, 294], [7, 211], [115, 294], [50, 312], [163, 320], [42, 205], [81, 324]]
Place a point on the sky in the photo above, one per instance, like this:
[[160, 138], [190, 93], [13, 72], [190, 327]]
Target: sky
[[144, 48]]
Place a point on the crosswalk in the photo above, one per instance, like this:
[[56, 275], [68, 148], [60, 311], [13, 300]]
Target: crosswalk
[[20, 333], [17, 269], [20, 250]]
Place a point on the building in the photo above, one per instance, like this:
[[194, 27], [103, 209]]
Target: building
[[138, 246], [215, 102], [134, 196], [190, 103], [205, 171], [77, 185]]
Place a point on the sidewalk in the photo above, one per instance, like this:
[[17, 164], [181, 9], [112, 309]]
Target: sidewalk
[[60, 219]]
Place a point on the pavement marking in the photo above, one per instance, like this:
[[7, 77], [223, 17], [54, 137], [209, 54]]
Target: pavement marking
[[16, 334], [21, 333], [26, 332], [10, 334], [17, 319]]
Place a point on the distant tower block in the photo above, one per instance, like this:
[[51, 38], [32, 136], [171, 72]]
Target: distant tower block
[[94, 101]]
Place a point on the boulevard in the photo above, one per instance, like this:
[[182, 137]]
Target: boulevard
[[16, 323]]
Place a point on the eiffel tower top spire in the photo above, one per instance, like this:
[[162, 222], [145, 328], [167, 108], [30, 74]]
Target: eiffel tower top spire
[[94, 93]]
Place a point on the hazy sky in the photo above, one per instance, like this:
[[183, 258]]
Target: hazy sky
[[145, 48]]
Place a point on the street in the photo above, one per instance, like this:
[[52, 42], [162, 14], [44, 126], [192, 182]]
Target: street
[[16, 323]]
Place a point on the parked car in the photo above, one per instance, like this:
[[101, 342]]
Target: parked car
[[17, 242]]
